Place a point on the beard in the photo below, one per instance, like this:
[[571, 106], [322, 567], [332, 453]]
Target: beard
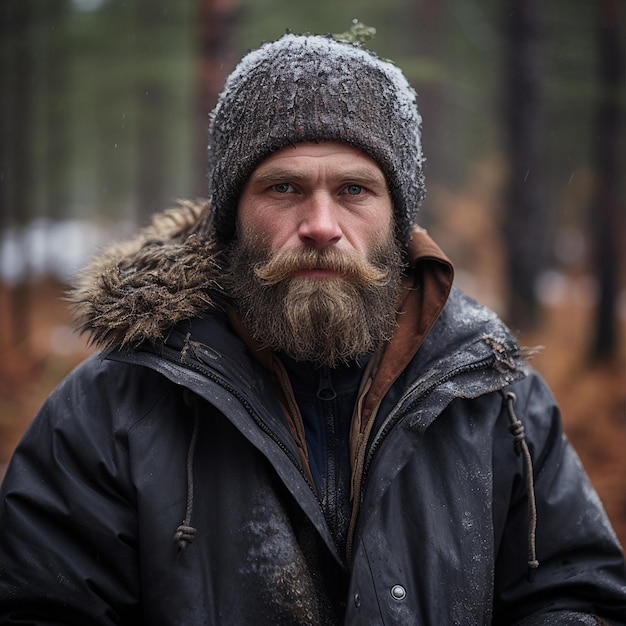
[[326, 321]]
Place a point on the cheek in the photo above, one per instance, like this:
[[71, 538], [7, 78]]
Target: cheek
[[252, 219], [266, 225], [377, 232]]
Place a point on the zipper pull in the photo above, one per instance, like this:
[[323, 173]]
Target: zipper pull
[[326, 391]]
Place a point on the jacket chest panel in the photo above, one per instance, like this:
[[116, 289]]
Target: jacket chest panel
[[250, 529], [443, 485]]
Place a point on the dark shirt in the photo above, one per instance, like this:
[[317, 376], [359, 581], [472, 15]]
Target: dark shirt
[[326, 398]]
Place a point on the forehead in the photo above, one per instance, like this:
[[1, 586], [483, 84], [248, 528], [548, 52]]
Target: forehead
[[332, 155]]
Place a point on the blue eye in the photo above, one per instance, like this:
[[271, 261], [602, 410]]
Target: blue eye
[[282, 188], [354, 190]]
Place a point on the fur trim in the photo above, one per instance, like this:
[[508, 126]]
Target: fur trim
[[136, 291]]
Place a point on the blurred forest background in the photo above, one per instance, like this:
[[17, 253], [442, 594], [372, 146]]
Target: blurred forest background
[[103, 117]]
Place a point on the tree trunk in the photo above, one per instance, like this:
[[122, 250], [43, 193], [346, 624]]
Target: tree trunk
[[6, 101], [21, 156], [525, 223], [55, 79], [151, 103], [429, 96], [607, 211], [216, 20]]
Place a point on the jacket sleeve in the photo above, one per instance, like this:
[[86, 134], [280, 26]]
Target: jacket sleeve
[[67, 527], [581, 577]]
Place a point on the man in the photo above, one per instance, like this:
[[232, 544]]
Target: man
[[297, 419]]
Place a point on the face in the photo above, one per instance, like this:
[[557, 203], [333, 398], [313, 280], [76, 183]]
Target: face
[[326, 195], [315, 269]]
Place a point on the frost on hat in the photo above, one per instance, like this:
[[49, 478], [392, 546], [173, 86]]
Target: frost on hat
[[314, 88]]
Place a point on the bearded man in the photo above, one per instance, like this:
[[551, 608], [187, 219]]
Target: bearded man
[[296, 418]]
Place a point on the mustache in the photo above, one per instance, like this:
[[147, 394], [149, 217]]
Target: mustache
[[351, 266]]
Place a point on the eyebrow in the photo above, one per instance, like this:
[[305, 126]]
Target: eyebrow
[[271, 174], [362, 175]]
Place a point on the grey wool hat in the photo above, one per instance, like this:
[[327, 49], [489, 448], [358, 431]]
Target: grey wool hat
[[304, 88]]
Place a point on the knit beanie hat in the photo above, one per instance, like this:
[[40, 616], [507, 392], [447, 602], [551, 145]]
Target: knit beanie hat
[[312, 88]]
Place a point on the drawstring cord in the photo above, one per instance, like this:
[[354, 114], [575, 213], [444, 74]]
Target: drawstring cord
[[186, 532], [516, 428]]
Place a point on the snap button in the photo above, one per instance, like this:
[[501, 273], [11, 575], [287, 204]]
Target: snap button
[[357, 600], [398, 592]]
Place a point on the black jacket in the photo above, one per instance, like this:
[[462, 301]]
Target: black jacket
[[164, 485]]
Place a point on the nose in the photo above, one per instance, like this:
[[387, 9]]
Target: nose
[[319, 226]]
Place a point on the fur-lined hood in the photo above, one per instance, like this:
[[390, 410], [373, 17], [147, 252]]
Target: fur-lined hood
[[136, 291]]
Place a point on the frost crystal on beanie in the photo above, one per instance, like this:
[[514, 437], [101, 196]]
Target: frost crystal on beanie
[[304, 88]]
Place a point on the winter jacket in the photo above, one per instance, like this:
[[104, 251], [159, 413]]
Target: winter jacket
[[166, 480]]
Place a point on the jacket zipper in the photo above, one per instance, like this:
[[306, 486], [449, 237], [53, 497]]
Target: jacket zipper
[[326, 394], [337, 461], [325, 389], [404, 406]]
